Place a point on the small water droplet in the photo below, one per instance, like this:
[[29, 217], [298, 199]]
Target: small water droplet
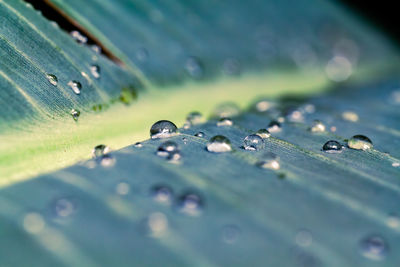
[[333, 129], [225, 122], [350, 116], [163, 129], [219, 144], [75, 114], [194, 67], [393, 220], [295, 116], [80, 38], [95, 70], [274, 127], [226, 110], [75, 86], [122, 188], [230, 234], [269, 160], [190, 204], [194, 118], [107, 160], [332, 146], [33, 223], [52, 79], [303, 238], [162, 194], [174, 157], [96, 48], [64, 207], [100, 150], [374, 247], [166, 148], [157, 224], [264, 105], [138, 144], [185, 140], [360, 142], [263, 133], [317, 127], [253, 142], [199, 134]]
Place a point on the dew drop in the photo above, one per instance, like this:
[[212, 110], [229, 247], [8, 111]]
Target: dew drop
[[95, 70], [107, 161], [194, 118], [190, 204], [317, 127], [199, 134], [226, 110], [350, 116], [96, 48], [138, 145], [163, 129], [80, 38], [264, 105], [338, 69], [269, 160], [75, 114], [374, 247], [253, 142], [230, 234], [64, 207], [33, 223], [263, 133], [274, 126], [162, 194], [393, 220], [75, 86], [174, 157], [360, 142], [185, 140], [332, 146], [194, 67], [219, 144], [52, 79], [225, 122], [166, 148], [295, 116], [100, 150], [157, 224]]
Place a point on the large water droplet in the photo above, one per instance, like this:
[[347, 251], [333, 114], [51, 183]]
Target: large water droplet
[[317, 127], [274, 127], [219, 144], [166, 148], [80, 38], [253, 142], [75, 86], [374, 247], [332, 146], [269, 160], [263, 133], [194, 67], [75, 114], [52, 79], [360, 142], [95, 71], [162, 194], [163, 129], [190, 204], [100, 150], [64, 207], [225, 122]]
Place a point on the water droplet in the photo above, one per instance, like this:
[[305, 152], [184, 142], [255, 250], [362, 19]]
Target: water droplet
[[332, 146], [295, 116], [64, 207], [163, 129], [138, 144], [96, 48], [396, 164], [263, 133], [162, 194], [303, 238], [185, 140], [219, 144], [226, 110], [52, 79], [194, 67], [122, 188], [333, 129], [107, 160], [199, 134], [264, 105], [174, 157], [360, 142], [253, 142], [393, 221], [194, 118], [231, 66], [166, 148], [75, 86], [230, 234], [80, 38], [190, 204], [33, 223], [350, 116], [269, 160], [95, 70], [225, 122], [274, 127], [100, 150], [317, 127], [157, 224], [374, 247], [338, 69], [75, 114]]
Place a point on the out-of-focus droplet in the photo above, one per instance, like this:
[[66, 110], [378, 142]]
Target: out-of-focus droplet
[[263, 133], [162, 194], [174, 157], [226, 110], [332, 146], [269, 160], [317, 127], [374, 247], [75, 114], [360, 142], [395, 97], [199, 134], [33, 223], [295, 116], [253, 142], [107, 160], [96, 48], [333, 129], [122, 188], [264, 105], [224, 122], [100, 150], [80, 38], [350, 116], [64, 207], [166, 148], [338, 69], [219, 144], [230, 234], [75, 86], [52, 79], [95, 71], [190, 204], [163, 129], [194, 67], [396, 164], [194, 118], [274, 127], [303, 238], [393, 220], [157, 224]]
